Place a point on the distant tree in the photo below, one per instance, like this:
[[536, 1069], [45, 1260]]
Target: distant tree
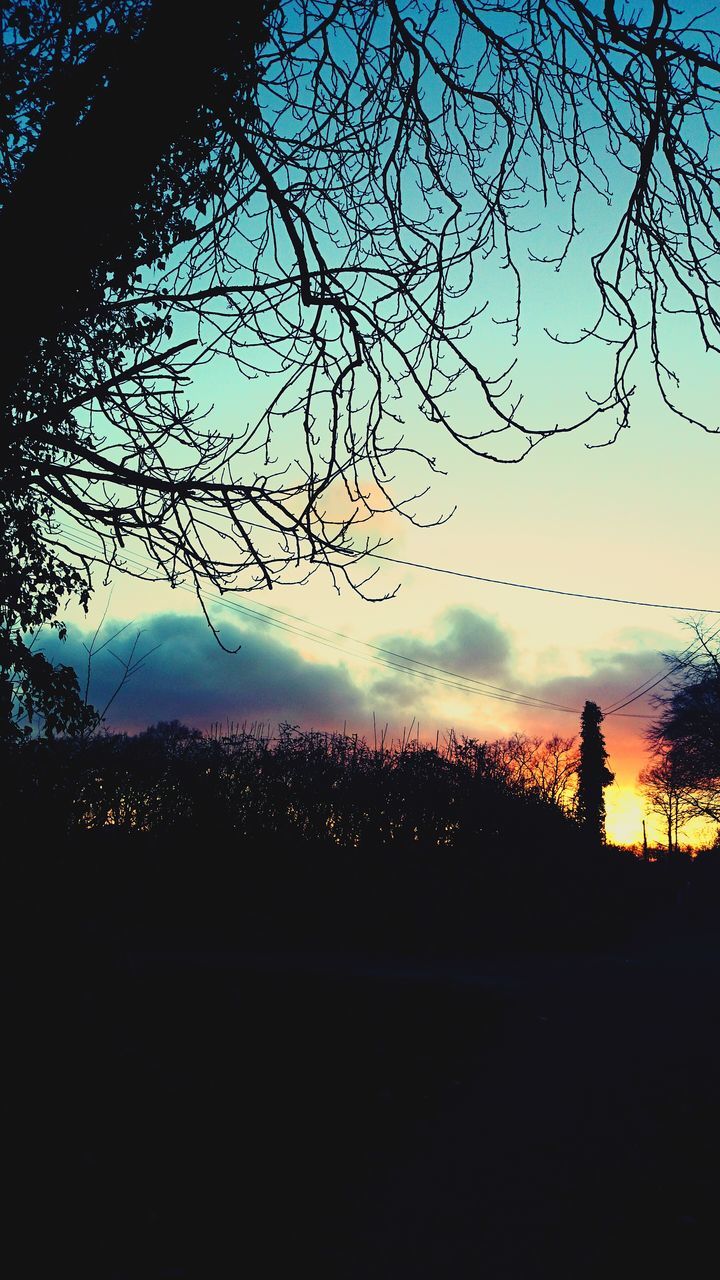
[[687, 731], [544, 766], [668, 795], [593, 774]]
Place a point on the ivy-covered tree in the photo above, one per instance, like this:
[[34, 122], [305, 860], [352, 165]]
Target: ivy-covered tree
[[593, 774], [36, 695]]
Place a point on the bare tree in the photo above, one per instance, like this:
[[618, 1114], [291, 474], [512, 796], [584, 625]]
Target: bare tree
[[545, 766], [668, 795], [686, 734], [329, 199]]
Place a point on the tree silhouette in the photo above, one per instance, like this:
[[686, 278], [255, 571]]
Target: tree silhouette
[[311, 194], [668, 794], [593, 774], [33, 585], [546, 767], [687, 732]]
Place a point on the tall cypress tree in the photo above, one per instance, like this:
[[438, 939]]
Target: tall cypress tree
[[593, 774]]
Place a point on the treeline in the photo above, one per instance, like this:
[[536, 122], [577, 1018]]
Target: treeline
[[333, 788], [324, 839]]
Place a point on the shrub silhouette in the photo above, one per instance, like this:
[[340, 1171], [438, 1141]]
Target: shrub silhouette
[[302, 836]]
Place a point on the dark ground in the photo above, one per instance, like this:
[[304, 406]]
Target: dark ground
[[198, 1111]]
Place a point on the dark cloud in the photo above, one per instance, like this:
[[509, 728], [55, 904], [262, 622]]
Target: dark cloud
[[610, 679], [189, 677], [464, 642]]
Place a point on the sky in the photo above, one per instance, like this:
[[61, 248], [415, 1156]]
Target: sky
[[635, 520]]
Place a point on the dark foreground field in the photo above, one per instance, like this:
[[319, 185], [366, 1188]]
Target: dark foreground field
[[181, 1107]]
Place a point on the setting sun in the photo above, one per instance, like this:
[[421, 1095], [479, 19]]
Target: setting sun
[[625, 813]]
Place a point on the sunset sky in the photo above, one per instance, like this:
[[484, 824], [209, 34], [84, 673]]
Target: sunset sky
[[634, 520]]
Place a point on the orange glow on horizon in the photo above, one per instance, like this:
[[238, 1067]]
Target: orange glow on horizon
[[625, 810]]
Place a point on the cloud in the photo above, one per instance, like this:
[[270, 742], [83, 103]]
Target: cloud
[[466, 642], [611, 677], [189, 677], [463, 642]]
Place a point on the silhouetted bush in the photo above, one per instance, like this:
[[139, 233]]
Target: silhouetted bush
[[329, 787], [321, 839]]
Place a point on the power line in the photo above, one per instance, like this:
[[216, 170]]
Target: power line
[[660, 677], [634, 695], [553, 591], [441, 675], [504, 582], [617, 710], [386, 657], [639, 690]]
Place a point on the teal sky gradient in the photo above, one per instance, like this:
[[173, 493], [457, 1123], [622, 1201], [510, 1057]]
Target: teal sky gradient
[[637, 519]]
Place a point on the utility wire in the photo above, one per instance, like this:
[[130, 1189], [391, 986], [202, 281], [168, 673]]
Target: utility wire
[[385, 657], [617, 707], [504, 582], [553, 591], [652, 682], [440, 674]]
